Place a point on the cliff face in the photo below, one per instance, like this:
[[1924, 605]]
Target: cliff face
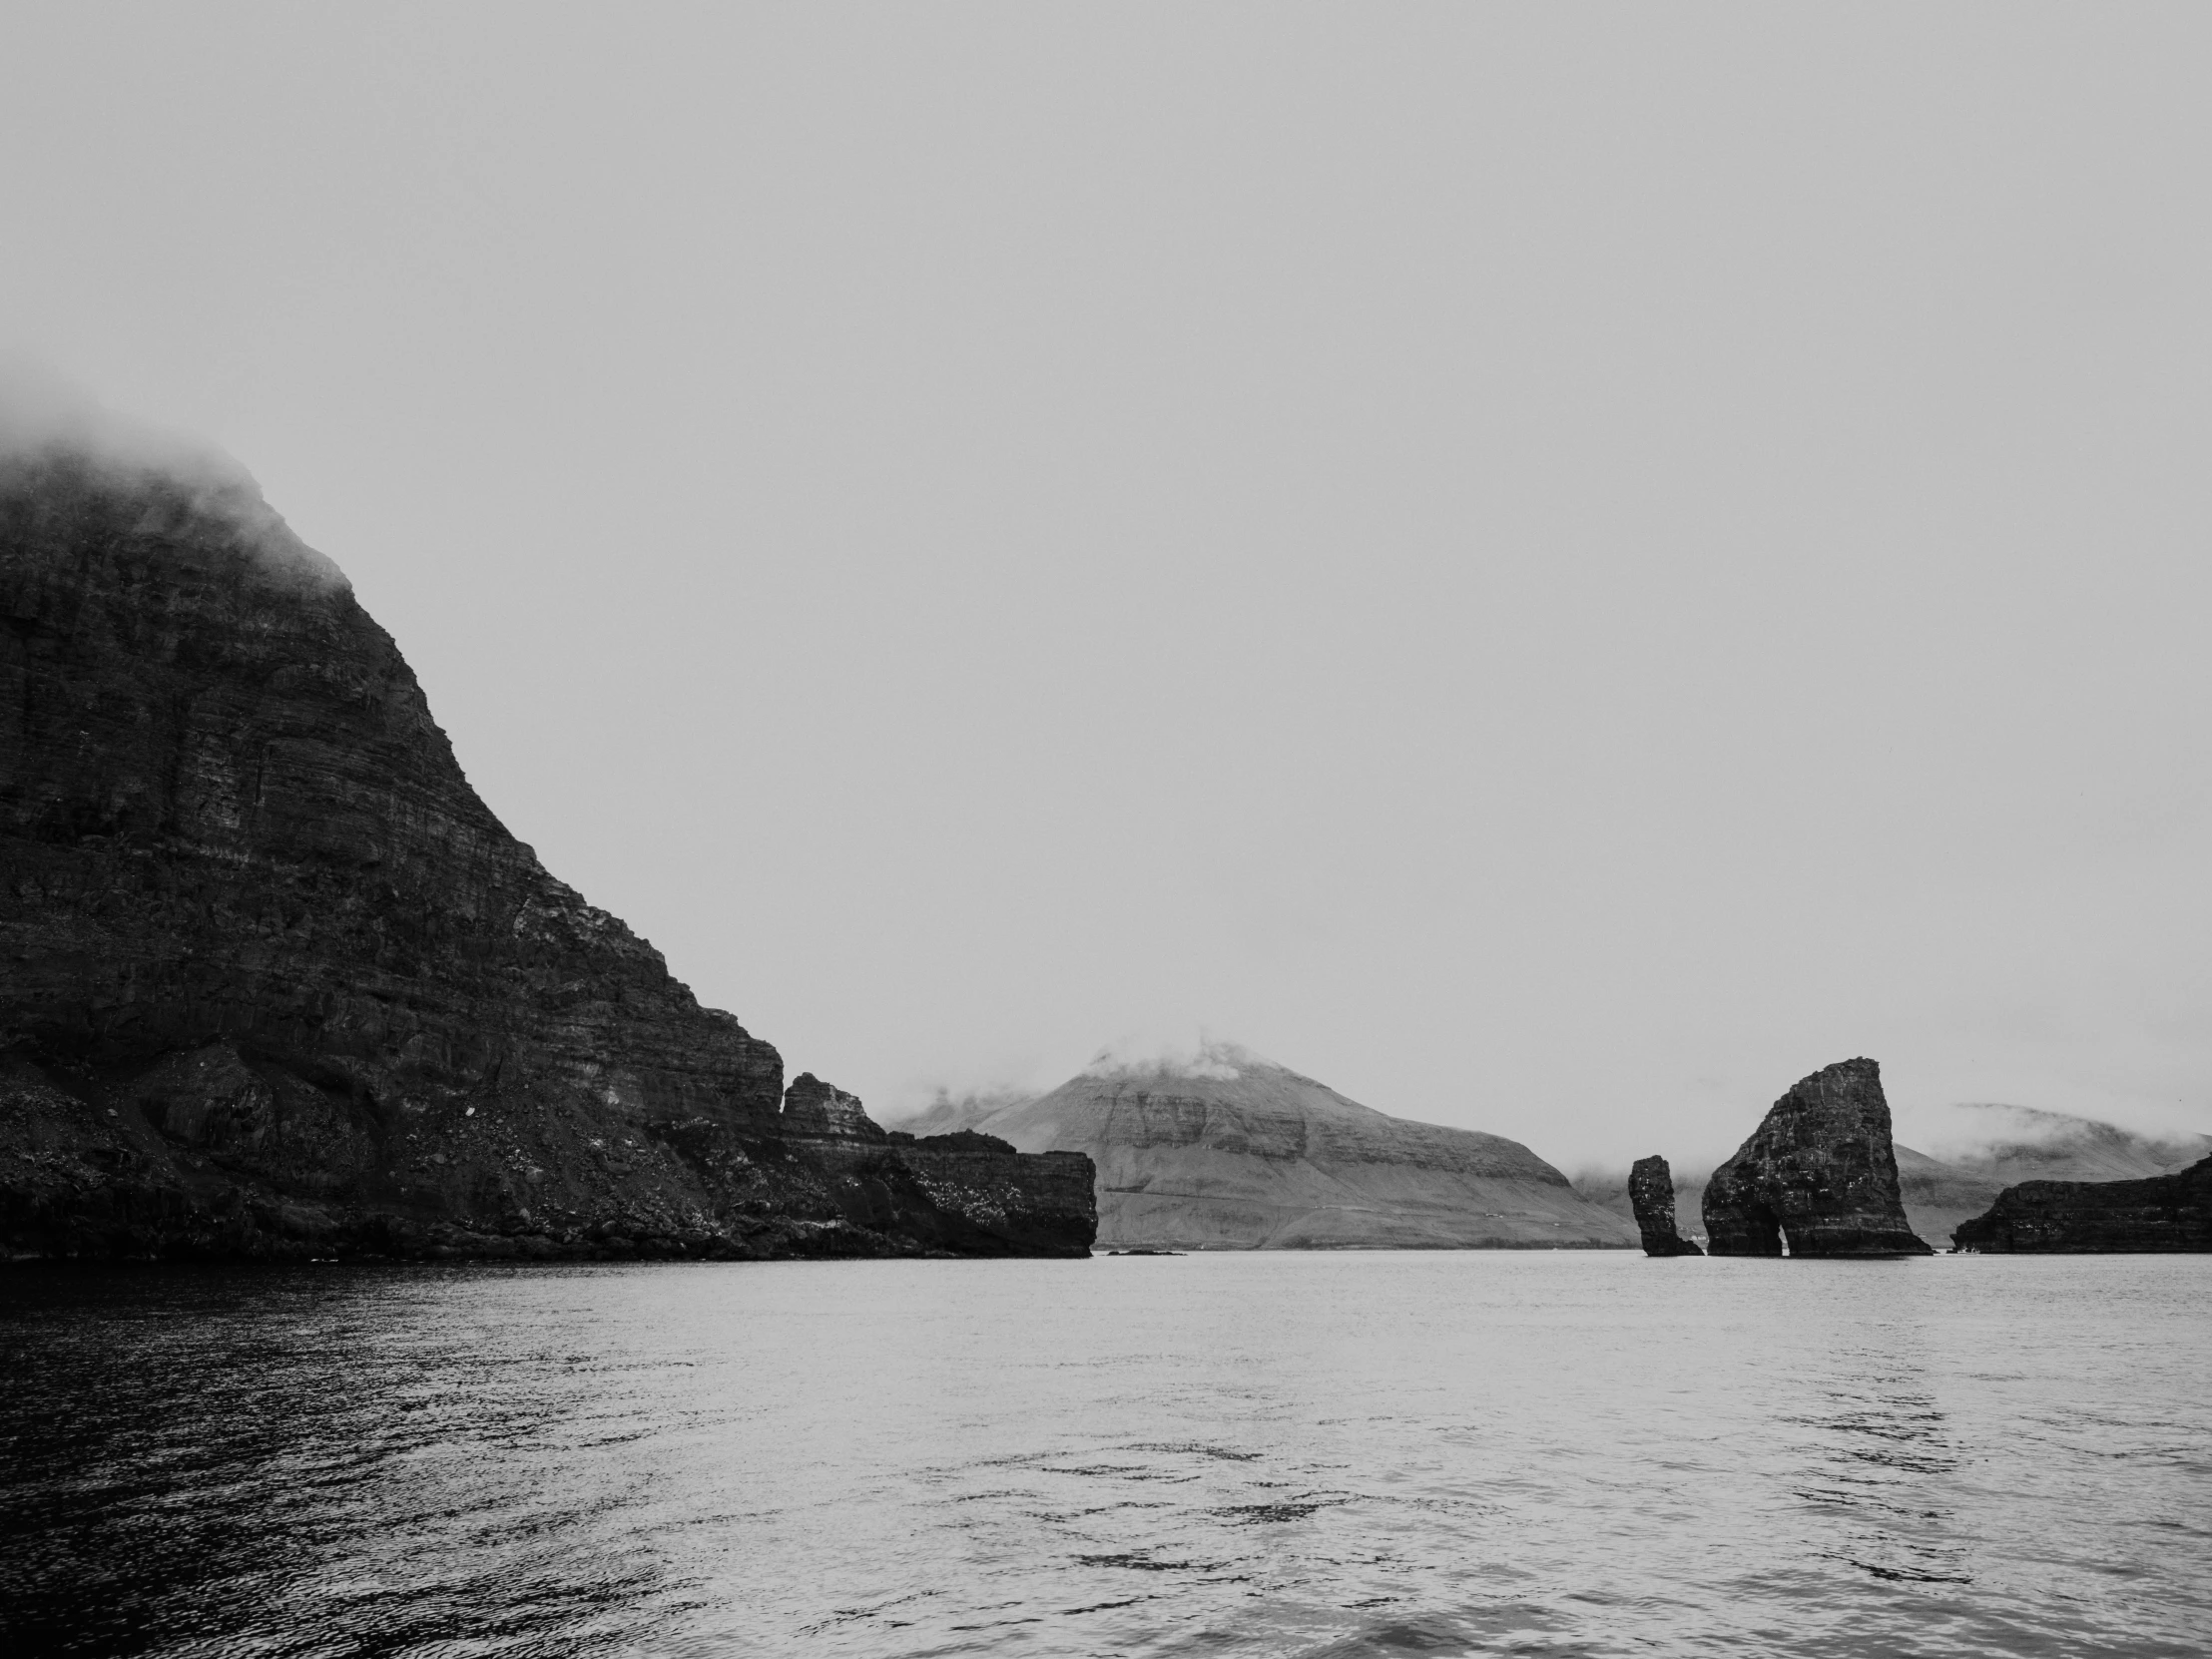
[[1820, 1170], [2162, 1213], [273, 979], [1651, 1193], [1238, 1152]]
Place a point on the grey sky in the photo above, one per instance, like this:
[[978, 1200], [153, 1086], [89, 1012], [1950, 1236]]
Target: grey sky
[[1555, 568]]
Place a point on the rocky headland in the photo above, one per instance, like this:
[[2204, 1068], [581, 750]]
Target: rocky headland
[[1818, 1173], [1982, 1149], [1651, 1193], [1228, 1151], [2158, 1212], [274, 982]]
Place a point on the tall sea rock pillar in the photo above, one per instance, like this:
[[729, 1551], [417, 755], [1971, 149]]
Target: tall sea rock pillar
[[1820, 1170], [1651, 1193]]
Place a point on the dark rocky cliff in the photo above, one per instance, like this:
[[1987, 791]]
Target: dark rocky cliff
[[1820, 1170], [273, 980], [2161, 1213]]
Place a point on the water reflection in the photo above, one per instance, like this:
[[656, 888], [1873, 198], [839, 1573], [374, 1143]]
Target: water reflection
[[1273, 1455], [1880, 1447], [329, 1454]]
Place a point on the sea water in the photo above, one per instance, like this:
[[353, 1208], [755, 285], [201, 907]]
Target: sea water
[[1306, 1454]]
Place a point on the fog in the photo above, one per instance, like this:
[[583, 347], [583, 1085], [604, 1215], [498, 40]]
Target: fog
[[1555, 569], [43, 412], [46, 417]]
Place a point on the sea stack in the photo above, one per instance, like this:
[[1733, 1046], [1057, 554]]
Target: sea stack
[[1820, 1170], [2161, 1213], [1651, 1193], [280, 985]]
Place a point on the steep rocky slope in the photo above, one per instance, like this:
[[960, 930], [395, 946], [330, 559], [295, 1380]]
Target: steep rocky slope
[[1234, 1152], [273, 979]]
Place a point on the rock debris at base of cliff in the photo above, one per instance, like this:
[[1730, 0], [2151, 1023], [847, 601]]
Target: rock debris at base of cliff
[[274, 982]]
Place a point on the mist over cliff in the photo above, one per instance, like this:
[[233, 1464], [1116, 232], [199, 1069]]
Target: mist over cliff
[[48, 420], [277, 981]]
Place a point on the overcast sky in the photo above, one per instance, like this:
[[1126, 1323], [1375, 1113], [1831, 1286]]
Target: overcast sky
[[1555, 568]]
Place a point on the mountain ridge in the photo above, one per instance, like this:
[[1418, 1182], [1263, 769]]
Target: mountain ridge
[[1227, 1150]]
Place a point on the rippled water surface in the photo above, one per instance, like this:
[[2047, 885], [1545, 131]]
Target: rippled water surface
[[1508, 1452]]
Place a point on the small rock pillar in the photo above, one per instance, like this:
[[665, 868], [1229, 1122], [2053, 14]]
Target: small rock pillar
[[1652, 1191]]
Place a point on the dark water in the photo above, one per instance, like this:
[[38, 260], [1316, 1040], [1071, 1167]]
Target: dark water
[[1272, 1455]]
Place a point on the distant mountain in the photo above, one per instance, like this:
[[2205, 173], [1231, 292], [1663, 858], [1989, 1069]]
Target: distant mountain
[[1229, 1151], [947, 1114], [2010, 1144], [1980, 1149], [1939, 1196], [1984, 1148]]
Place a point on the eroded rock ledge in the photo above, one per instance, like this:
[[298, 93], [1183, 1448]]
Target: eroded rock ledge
[[274, 981]]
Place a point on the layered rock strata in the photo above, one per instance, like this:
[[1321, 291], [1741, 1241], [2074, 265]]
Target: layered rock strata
[[1820, 1173], [1651, 1193], [273, 980], [2159, 1213]]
